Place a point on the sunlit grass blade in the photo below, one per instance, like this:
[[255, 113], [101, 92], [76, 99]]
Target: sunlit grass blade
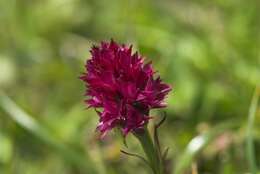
[[30, 124], [198, 143], [250, 150]]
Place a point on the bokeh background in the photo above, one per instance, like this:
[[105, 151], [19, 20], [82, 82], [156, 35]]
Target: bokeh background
[[209, 51]]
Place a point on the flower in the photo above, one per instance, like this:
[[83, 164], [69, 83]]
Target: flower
[[123, 86]]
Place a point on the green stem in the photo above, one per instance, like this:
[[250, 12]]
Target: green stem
[[150, 151]]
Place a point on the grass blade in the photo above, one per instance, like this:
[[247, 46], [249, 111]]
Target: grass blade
[[250, 150]]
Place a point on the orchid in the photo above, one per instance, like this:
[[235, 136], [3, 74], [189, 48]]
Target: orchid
[[123, 89]]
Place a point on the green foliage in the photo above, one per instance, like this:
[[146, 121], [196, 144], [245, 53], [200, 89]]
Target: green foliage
[[207, 50]]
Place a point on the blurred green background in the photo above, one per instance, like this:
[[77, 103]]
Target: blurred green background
[[209, 51]]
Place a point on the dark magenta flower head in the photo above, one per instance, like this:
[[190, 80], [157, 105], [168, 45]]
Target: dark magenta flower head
[[123, 86]]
